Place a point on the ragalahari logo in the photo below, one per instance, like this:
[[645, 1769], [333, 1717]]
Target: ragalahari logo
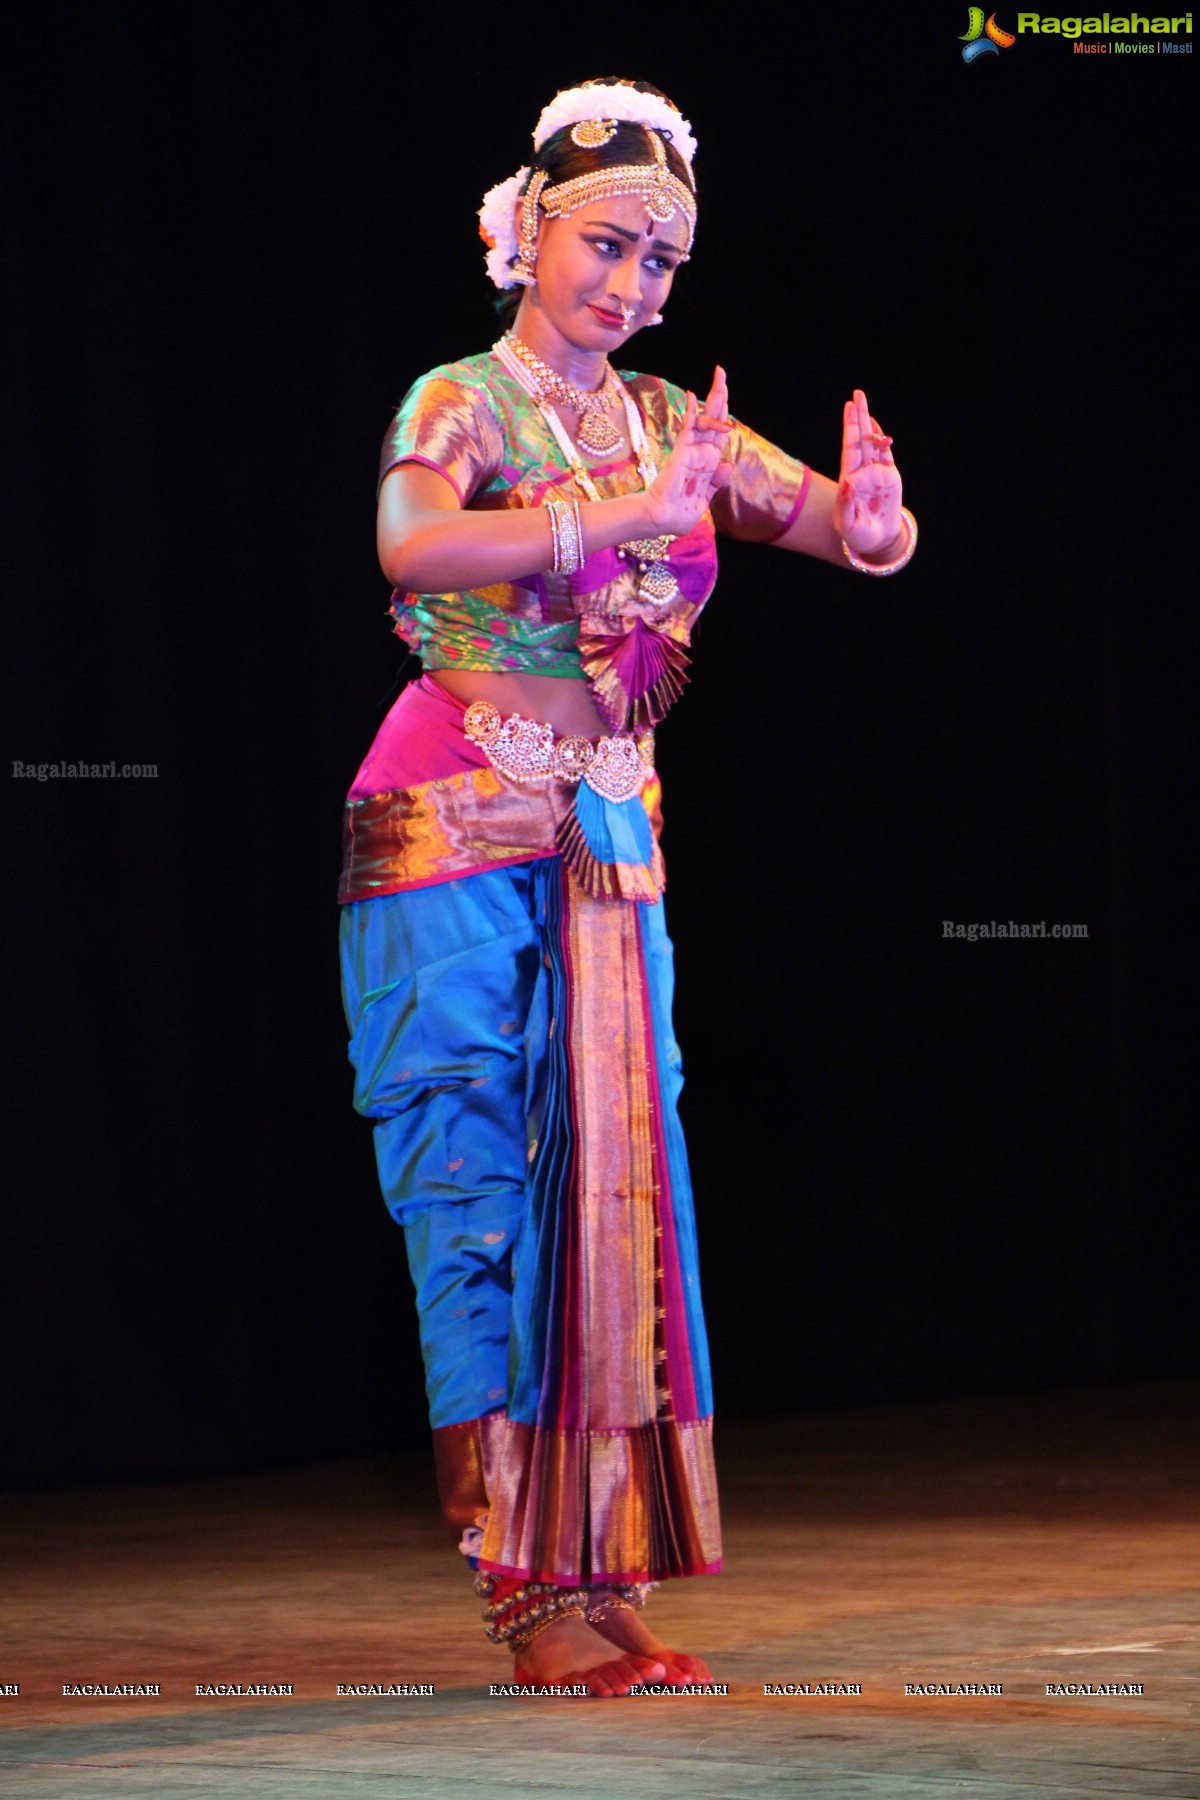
[[984, 39]]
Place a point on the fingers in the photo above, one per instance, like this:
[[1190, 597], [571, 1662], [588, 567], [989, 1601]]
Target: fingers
[[694, 469], [695, 448], [856, 451], [864, 443], [716, 407], [715, 417], [709, 422], [702, 427], [852, 446], [863, 412], [882, 442]]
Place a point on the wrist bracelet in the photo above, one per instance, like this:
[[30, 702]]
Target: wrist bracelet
[[868, 568], [566, 536], [571, 531]]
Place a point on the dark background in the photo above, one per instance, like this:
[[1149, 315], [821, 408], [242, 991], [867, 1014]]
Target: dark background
[[922, 1167]]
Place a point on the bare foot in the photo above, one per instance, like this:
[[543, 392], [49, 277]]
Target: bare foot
[[627, 1630], [570, 1652]]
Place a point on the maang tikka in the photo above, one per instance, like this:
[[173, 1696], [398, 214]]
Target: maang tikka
[[508, 218]]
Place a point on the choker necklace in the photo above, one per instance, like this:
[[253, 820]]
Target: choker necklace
[[596, 431], [655, 581]]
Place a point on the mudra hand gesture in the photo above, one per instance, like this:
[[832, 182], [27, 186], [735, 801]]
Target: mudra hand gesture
[[866, 510], [680, 494]]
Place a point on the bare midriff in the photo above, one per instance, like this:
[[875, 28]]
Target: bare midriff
[[567, 705]]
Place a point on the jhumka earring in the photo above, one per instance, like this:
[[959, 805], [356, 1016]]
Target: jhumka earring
[[525, 273]]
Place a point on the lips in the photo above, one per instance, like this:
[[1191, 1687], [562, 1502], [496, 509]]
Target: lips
[[614, 321]]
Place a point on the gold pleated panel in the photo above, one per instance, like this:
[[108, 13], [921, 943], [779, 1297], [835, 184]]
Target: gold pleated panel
[[616, 1175], [631, 1493], [466, 1457], [452, 826], [637, 1505]]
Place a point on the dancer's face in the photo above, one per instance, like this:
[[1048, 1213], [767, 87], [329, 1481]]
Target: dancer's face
[[605, 270]]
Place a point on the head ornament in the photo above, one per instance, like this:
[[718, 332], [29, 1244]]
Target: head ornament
[[593, 111], [623, 105]]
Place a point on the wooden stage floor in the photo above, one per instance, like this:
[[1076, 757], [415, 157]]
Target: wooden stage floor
[[1034, 1543]]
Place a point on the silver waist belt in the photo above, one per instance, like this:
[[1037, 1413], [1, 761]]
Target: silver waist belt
[[616, 768]]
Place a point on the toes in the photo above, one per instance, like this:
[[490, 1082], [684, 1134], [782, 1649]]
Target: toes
[[614, 1679], [619, 1675], [599, 1682], [683, 1668]]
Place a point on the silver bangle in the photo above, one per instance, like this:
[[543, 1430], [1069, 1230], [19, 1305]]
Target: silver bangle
[[572, 537], [868, 568], [567, 532]]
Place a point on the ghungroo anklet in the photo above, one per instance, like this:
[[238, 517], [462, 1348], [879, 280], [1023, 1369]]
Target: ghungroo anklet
[[519, 1645], [629, 1596], [517, 1611]]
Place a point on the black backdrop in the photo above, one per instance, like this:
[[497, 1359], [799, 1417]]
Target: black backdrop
[[923, 1167]]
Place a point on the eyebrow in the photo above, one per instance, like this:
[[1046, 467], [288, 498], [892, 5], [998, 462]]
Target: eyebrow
[[634, 237]]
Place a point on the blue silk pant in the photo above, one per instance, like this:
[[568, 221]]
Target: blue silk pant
[[512, 1044]]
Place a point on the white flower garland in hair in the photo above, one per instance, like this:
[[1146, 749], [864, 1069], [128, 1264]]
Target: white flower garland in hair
[[497, 226], [623, 103], [497, 215]]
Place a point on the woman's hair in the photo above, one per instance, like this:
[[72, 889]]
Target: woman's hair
[[565, 160]]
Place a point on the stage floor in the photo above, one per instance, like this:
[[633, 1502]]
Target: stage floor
[[1031, 1543]]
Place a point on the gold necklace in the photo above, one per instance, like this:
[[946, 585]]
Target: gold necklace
[[596, 431], [655, 581]]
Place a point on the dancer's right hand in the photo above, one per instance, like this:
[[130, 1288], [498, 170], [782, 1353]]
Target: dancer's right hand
[[679, 496]]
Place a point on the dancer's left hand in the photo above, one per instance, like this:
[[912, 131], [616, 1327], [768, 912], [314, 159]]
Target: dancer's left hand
[[866, 510], [713, 423]]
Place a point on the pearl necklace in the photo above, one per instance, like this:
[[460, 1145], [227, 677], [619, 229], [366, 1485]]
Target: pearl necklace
[[596, 432], [655, 581]]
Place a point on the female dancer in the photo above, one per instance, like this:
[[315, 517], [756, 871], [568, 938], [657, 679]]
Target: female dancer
[[549, 526]]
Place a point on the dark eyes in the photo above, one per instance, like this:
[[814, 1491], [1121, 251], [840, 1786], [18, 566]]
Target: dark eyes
[[661, 265]]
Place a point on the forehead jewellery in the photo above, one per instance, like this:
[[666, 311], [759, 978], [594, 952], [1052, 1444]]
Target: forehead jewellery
[[655, 582], [593, 111], [661, 193]]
